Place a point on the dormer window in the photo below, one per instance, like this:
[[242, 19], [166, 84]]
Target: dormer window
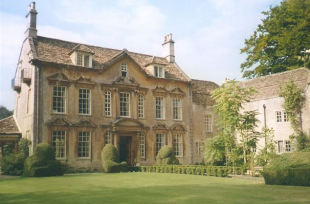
[[159, 72], [124, 69], [83, 59]]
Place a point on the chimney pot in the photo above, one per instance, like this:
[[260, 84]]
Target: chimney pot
[[31, 17]]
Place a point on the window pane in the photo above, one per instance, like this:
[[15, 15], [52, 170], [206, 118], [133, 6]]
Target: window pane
[[124, 104], [178, 145], [79, 60], [279, 116], [160, 141], [84, 144], [86, 60], [140, 106], [177, 109], [142, 144], [124, 69], [107, 103], [59, 99], [59, 143], [108, 138], [208, 123], [84, 101], [159, 108]]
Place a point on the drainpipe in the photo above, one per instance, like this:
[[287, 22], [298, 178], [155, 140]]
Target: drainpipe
[[265, 125]]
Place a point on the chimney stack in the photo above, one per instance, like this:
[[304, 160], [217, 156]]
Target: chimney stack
[[31, 17], [168, 48]]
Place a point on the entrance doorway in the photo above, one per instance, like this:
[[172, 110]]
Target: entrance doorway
[[125, 149]]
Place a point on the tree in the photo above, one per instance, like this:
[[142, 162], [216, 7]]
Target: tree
[[294, 101], [279, 41], [268, 152], [4, 112], [229, 99]]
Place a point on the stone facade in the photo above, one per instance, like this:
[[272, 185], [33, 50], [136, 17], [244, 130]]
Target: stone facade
[[52, 76]]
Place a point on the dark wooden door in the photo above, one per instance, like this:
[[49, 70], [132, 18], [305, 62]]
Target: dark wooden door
[[125, 148]]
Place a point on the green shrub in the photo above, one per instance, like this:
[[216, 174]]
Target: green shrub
[[110, 160], [166, 156], [289, 169], [13, 164], [43, 163]]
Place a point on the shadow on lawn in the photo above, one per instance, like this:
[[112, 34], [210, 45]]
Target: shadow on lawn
[[164, 194]]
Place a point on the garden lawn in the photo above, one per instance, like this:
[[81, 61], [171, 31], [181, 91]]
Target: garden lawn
[[146, 188]]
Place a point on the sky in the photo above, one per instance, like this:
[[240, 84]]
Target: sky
[[208, 34]]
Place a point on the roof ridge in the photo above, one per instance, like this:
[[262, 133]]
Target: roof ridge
[[276, 74], [6, 118]]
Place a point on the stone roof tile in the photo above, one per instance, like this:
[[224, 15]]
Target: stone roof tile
[[8, 126]]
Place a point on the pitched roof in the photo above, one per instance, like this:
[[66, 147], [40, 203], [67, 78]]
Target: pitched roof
[[269, 86], [8, 126], [57, 51]]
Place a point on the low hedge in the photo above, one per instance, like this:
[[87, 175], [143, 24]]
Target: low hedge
[[292, 176], [219, 171]]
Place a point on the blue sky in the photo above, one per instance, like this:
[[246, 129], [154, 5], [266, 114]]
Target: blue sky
[[208, 34]]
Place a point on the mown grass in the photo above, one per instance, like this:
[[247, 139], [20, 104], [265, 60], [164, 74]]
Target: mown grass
[[146, 188]]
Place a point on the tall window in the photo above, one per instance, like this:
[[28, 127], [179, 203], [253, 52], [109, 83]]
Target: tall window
[[159, 107], [177, 109], [84, 144], [208, 123], [280, 146], [84, 101], [279, 116], [124, 104], [59, 99], [178, 145], [287, 146], [124, 69], [59, 143], [285, 117], [107, 103], [142, 144], [199, 147], [160, 141], [159, 72], [140, 106], [108, 138]]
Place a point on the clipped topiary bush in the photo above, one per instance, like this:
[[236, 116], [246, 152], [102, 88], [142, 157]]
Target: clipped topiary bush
[[110, 160], [166, 156], [288, 169], [43, 162]]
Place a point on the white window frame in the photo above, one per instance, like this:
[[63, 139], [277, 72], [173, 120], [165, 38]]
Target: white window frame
[[56, 134], [142, 144], [62, 97], [178, 144], [81, 59], [108, 138], [159, 108], [88, 112], [160, 141], [124, 69], [107, 104], [82, 142], [278, 116], [280, 146], [177, 109], [159, 71], [209, 123], [140, 106], [120, 105]]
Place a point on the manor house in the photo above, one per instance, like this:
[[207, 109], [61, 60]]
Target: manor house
[[80, 97]]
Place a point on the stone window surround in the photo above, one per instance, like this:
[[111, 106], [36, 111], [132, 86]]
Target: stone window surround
[[89, 102], [179, 109], [65, 99], [89, 143], [65, 143]]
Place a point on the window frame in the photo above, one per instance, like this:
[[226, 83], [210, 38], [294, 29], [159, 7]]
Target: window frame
[[161, 106], [142, 143], [108, 137], [159, 71], [108, 104], [89, 145], [178, 144], [208, 123], [280, 147], [64, 145], [285, 117], [64, 98], [89, 102], [288, 147], [278, 116], [81, 59], [160, 143], [140, 108], [177, 109], [124, 69], [120, 106]]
